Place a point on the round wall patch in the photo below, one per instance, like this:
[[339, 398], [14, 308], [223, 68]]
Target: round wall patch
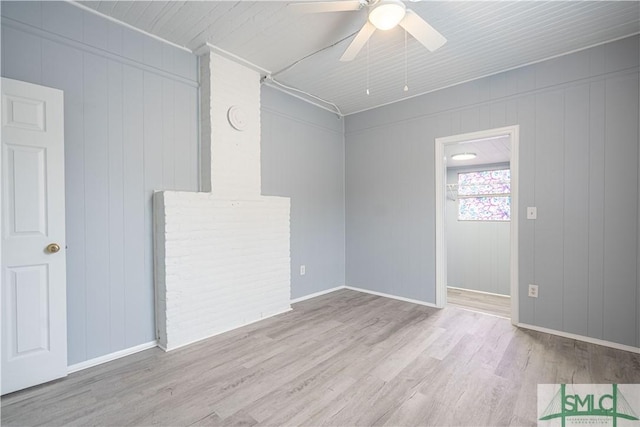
[[237, 118]]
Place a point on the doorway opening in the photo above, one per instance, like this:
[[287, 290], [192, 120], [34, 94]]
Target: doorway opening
[[476, 221]]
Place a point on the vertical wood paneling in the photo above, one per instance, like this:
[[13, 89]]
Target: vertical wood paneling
[[430, 129], [117, 185], [503, 262], [498, 115], [621, 208], [597, 109], [549, 199], [64, 21], [190, 170], [456, 123], [114, 38], [497, 86], [153, 52], [422, 260], [491, 267], [134, 202], [96, 196], [622, 55], [576, 210], [153, 177], [65, 69], [511, 116], [380, 189], [29, 12], [185, 64], [578, 165], [183, 125], [168, 134], [597, 60], [21, 56], [95, 31], [359, 199], [133, 44], [470, 120], [384, 213], [303, 159], [526, 188], [119, 147], [168, 54], [485, 115]]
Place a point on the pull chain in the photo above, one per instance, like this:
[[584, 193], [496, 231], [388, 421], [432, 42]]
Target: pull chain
[[367, 67], [406, 79]]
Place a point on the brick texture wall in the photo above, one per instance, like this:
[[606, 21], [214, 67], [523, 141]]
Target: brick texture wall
[[222, 258]]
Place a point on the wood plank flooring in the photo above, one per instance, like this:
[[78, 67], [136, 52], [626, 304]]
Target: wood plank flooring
[[342, 359], [498, 305]]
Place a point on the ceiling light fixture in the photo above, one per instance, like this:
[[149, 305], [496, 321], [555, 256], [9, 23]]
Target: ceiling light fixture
[[464, 156], [387, 14]]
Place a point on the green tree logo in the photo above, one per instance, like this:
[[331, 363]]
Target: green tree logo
[[614, 406]]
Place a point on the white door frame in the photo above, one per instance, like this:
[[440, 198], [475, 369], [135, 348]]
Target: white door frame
[[441, 242]]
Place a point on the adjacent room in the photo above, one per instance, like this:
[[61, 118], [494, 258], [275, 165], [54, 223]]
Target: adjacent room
[[305, 213], [478, 222]]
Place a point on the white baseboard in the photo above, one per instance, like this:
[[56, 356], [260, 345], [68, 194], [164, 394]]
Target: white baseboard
[[380, 294], [366, 291], [317, 294], [581, 338], [109, 357], [223, 331]]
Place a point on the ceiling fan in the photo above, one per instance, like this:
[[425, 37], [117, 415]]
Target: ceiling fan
[[383, 15]]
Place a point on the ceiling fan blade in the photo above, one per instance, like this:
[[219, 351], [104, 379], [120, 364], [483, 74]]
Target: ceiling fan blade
[[326, 6], [358, 42], [421, 31]]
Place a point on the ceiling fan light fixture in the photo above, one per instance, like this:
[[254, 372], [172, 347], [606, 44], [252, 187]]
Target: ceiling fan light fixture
[[463, 156], [387, 14]]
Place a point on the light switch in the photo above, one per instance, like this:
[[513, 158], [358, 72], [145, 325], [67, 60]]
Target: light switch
[[532, 212]]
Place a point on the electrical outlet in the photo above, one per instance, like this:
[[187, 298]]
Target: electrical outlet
[[303, 270], [533, 291]]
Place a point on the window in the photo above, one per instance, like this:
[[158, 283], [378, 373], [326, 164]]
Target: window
[[484, 195]]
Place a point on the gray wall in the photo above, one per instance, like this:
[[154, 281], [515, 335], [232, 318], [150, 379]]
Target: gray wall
[[303, 158], [130, 128], [578, 117], [478, 252]]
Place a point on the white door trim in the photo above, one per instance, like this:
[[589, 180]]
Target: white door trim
[[440, 179]]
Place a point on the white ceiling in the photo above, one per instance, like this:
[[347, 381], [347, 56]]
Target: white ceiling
[[488, 150], [484, 37]]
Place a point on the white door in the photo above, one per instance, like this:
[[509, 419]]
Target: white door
[[34, 317]]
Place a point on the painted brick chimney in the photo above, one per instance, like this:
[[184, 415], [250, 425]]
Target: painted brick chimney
[[221, 257]]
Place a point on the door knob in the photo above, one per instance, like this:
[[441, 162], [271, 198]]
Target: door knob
[[52, 248]]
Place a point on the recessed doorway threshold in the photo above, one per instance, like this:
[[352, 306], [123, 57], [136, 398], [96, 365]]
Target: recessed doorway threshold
[[483, 302]]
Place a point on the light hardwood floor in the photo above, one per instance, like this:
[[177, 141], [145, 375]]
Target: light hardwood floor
[[342, 359], [498, 305]]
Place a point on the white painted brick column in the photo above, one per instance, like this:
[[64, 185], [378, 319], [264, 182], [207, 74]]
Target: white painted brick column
[[222, 258]]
